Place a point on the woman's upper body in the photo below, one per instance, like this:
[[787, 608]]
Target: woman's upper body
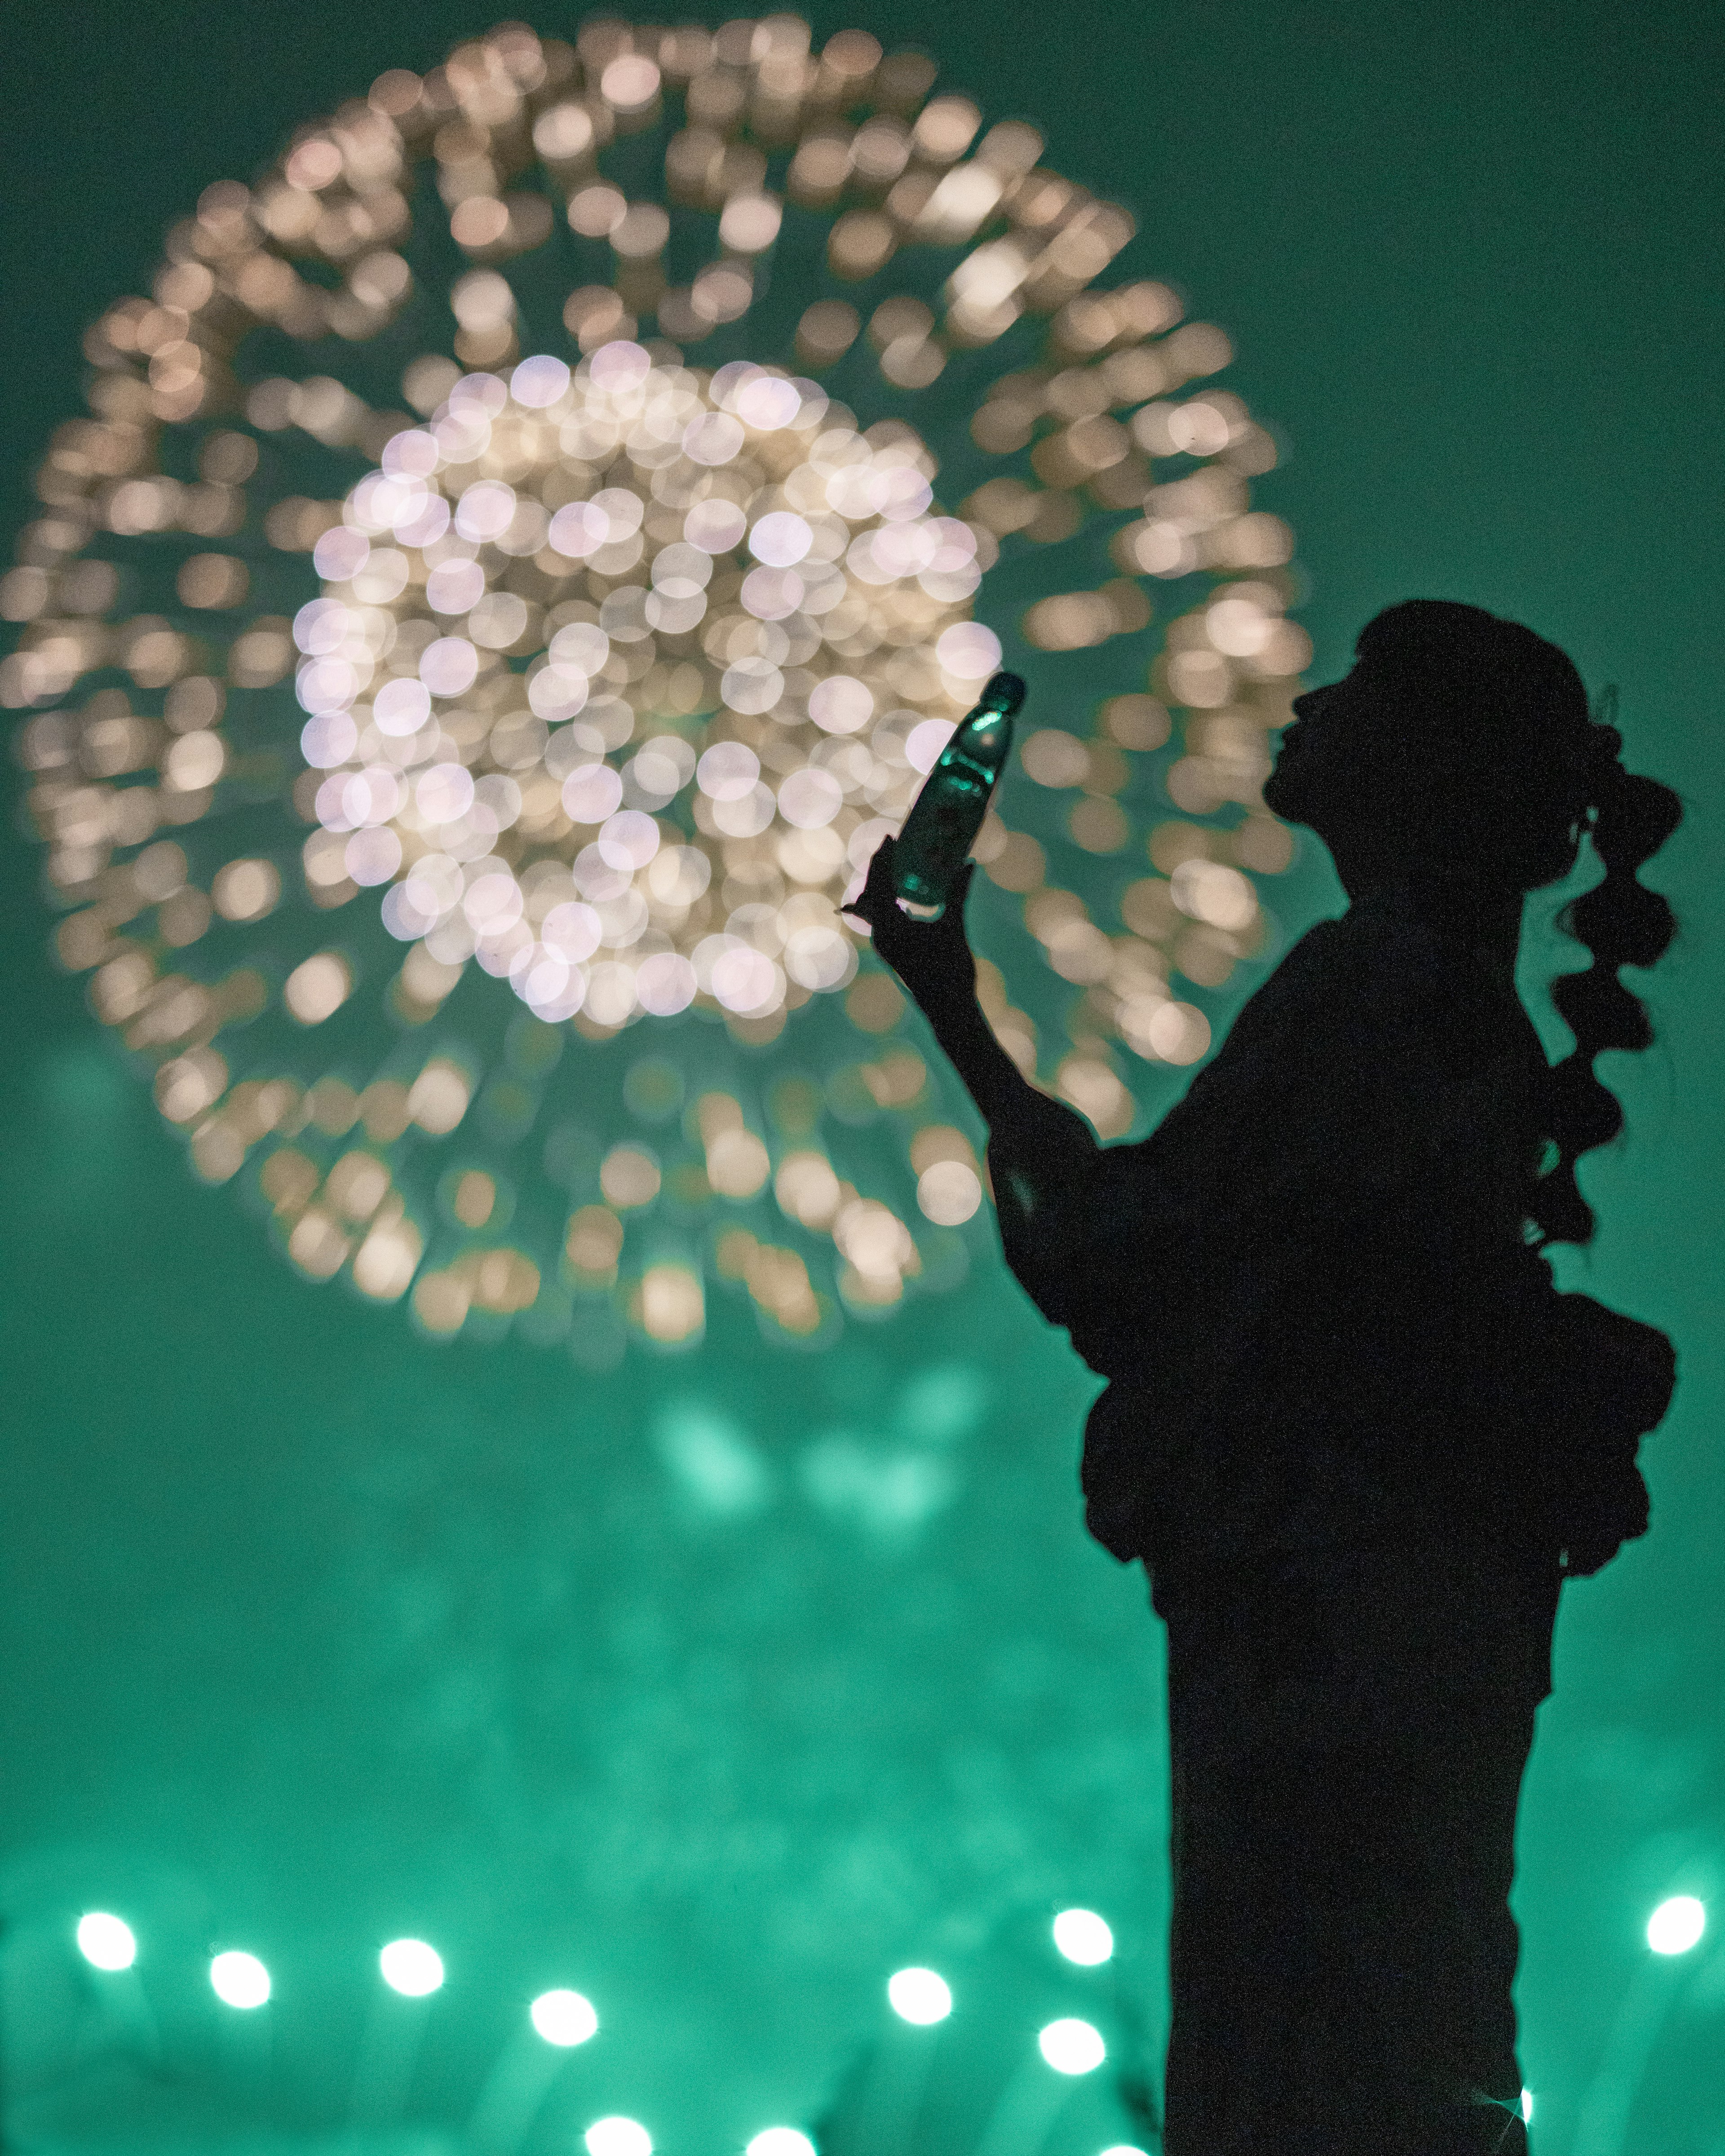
[[1312, 1288]]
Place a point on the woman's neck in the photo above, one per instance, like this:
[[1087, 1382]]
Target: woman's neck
[[1485, 915]]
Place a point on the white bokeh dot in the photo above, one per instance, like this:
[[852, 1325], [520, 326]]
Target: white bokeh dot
[[539, 380], [969, 651], [919, 1996], [106, 1942], [1071, 2046], [1677, 1924], [563, 2018], [617, 2136], [411, 1967], [239, 1979], [781, 539], [1083, 1937]]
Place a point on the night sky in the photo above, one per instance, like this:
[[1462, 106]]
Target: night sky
[[315, 1633]]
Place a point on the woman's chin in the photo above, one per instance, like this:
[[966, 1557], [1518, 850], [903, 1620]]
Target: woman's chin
[[1284, 797]]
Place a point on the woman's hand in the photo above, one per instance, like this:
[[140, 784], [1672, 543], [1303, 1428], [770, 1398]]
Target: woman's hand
[[934, 962], [931, 957]]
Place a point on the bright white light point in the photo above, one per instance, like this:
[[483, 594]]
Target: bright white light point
[[1526, 2106], [618, 2137], [924, 743], [563, 2017], [745, 980], [628, 841], [1082, 1936], [714, 438], [1072, 2047], [539, 380], [1676, 1925], [839, 704], [766, 402], [239, 1979], [341, 552], [713, 526], [1125, 2149], [1238, 627], [106, 1942], [949, 1193], [968, 650], [620, 366], [665, 983], [629, 81], [448, 665], [780, 2141], [919, 1996], [781, 539], [330, 738], [485, 510], [399, 708], [411, 1967]]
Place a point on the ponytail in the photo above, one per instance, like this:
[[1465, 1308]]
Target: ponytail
[[1621, 923]]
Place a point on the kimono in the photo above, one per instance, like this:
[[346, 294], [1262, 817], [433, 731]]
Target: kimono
[[1357, 1437]]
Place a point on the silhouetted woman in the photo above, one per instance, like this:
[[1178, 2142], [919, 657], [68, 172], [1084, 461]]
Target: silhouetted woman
[[1355, 1433]]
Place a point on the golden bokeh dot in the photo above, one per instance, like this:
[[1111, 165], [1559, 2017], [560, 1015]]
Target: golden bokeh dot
[[630, 1176], [475, 1199], [246, 890], [318, 987]]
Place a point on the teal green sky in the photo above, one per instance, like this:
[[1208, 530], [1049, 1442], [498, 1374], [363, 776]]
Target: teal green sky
[[313, 1634]]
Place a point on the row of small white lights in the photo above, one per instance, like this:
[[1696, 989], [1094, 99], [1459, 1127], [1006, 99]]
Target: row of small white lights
[[920, 1996], [1071, 2046], [923, 1997]]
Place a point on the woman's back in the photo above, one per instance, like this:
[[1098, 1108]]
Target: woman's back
[[1320, 1248], [1369, 1123]]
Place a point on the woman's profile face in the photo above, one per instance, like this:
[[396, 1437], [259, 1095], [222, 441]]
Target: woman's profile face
[[1351, 768], [1370, 772], [1318, 762]]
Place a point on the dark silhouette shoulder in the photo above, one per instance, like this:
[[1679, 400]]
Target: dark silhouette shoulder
[[1326, 1234]]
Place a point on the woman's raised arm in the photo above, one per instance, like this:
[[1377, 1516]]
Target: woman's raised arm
[[1043, 1155], [934, 961]]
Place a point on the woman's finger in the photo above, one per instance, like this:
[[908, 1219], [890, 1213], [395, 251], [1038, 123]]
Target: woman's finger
[[876, 889]]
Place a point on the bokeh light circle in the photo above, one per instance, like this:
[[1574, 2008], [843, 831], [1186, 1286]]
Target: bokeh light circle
[[411, 1967], [1071, 2046], [618, 2136], [563, 2018], [496, 604], [106, 1942], [1083, 1937], [239, 1979], [920, 1996], [1676, 1925]]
